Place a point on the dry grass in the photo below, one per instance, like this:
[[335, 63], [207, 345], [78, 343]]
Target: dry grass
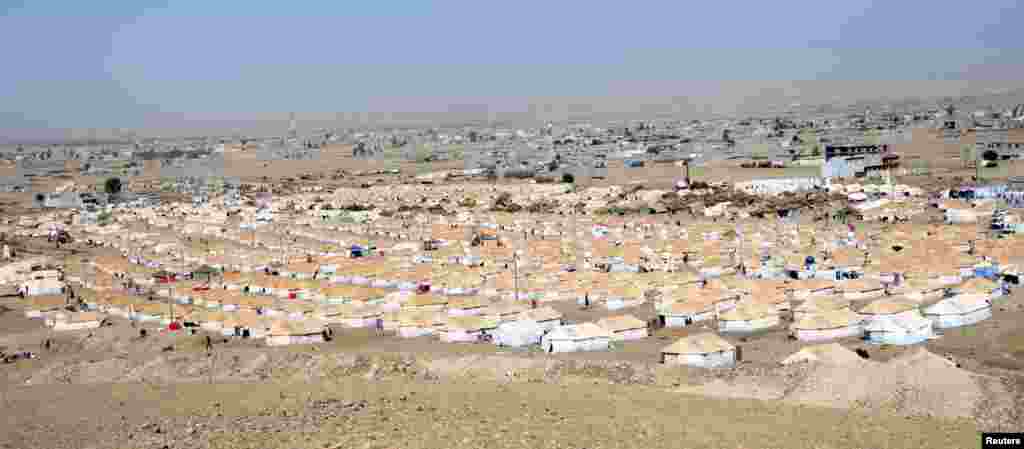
[[409, 414], [1015, 344]]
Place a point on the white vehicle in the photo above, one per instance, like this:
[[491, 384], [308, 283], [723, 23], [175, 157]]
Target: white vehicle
[[264, 216]]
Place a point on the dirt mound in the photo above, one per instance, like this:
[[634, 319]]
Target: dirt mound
[[830, 354], [935, 383], [81, 372], [920, 383], [1002, 409], [243, 366]]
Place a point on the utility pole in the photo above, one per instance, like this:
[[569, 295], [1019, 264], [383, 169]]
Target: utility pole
[[515, 274], [977, 166], [575, 241], [170, 307]]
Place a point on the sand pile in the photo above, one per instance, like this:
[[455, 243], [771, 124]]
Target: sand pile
[[936, 384], [830, 354], [920, 383]]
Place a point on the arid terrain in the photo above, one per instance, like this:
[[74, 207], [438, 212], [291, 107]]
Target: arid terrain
[[360, 390], [110, 388], [358, 225]]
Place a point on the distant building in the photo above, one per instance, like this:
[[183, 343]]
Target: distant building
[[88, 216], [849, 161], [1015, 184], [62, 200], [1007, 142], [775, 186]]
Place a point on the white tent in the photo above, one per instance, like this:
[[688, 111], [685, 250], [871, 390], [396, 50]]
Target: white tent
[[899, 330], [36, 287], [959, 310], [518, 333], [576, 337], [705, 350]]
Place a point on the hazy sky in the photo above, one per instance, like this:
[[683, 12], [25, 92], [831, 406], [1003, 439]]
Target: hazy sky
[[207, 64]]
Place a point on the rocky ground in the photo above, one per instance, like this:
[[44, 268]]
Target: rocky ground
[[359, 413]]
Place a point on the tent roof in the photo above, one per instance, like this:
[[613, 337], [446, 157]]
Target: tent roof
[[888, 306], [580, 331], [828, 319], [296, 327], [705, 343]]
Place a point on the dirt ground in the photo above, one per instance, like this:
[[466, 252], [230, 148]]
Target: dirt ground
[[357, 413], [249, 167]]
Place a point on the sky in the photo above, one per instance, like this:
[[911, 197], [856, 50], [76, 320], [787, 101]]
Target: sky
[[157, 66]]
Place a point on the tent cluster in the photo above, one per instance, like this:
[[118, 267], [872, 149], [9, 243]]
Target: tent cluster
[[471, 274]]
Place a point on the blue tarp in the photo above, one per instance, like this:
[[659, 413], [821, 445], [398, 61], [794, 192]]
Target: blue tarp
[[986, 272]]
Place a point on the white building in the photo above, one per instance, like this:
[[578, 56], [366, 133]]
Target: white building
[[706, 350], [74, 321], [288, 332], [469, 329], [624, 327], [895, 321], [749, 317], [828, 325], [775, 186], [960, 310], [518, 333], [576, 337]]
